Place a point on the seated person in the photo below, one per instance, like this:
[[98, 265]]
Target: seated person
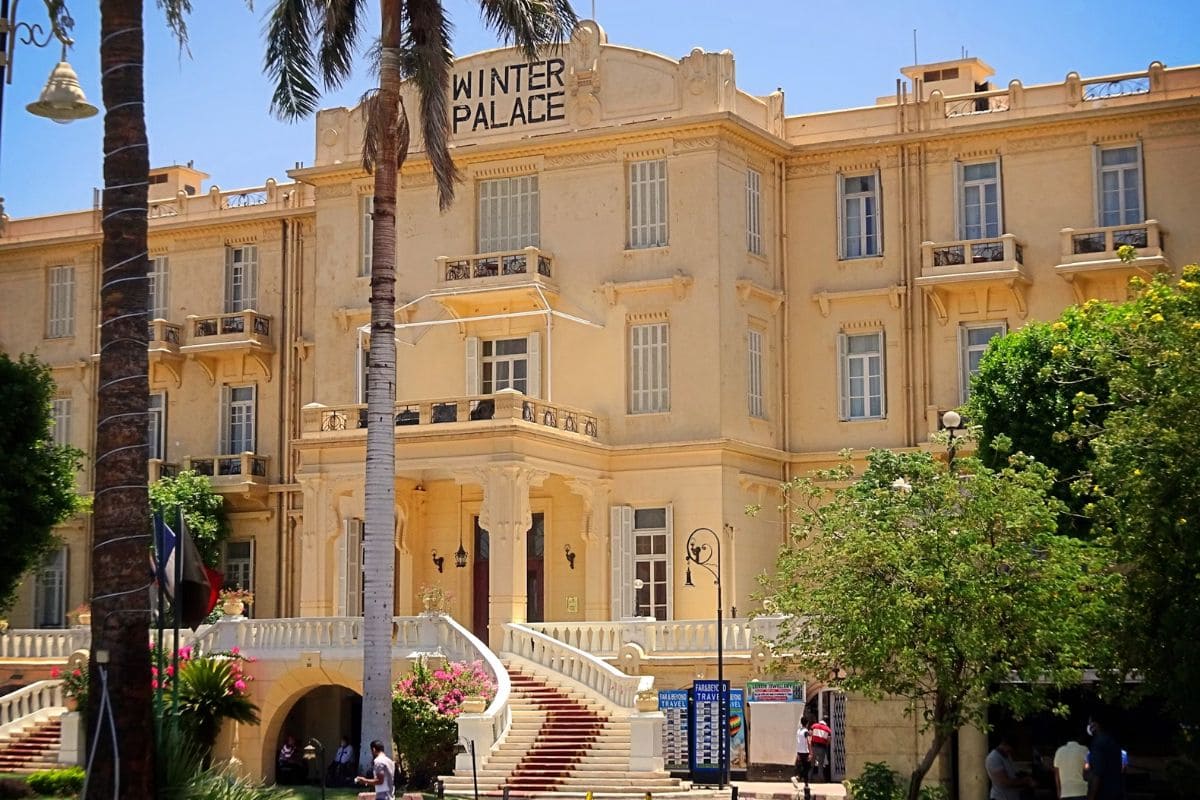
[[289, 769], [341, 769]]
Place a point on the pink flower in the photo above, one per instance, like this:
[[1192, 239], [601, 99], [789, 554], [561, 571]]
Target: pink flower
[[185, 652], [234, 650], [240, 685], [55, 672], [171, 670], [154, 671], [153, 684]]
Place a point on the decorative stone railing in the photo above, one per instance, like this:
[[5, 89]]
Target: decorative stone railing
[[939, 258], [156, 468], [1083, 245], [486, 728], [504, 406], [50, 644], [18, 707], [233, 325], [671, 637], [269, 197], [578, 665], [166, 332], [531, 261], [248, 466]]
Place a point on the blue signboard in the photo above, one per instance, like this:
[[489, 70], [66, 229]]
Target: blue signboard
[[674, 705], [709, 748], [737, 730]]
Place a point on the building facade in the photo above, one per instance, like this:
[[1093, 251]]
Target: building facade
[[656, 298]]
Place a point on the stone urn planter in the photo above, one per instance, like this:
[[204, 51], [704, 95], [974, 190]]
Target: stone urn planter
[[474, 704], [647, 700], [232, 607]]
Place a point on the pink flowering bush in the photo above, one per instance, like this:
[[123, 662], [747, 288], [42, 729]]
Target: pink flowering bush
[[424, 706], [75, 685]]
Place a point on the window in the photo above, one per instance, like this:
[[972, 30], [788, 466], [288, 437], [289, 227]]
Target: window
[[364, 367], [858, 216], [156, 290], [754, 374], [350, 556], [642, 562], [648, 204], [1120, 185], [972, 342], [237, 428], [60, 412], [50, 591], [512, 363], [979, 195], [156, 428], [509, 215], [861, 361], [60, 295], [239, 565], [241, 278], [649, 369], [366, 232], [754, 212]]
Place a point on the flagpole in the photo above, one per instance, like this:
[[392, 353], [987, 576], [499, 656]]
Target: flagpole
[[177, 608], [159, 574]]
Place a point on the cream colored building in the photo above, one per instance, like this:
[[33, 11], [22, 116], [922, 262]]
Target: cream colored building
[[655, 298]]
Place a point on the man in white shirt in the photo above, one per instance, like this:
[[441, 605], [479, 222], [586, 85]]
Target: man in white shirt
[[341, 770], [1068, 771], [384, 774], [803, 754]]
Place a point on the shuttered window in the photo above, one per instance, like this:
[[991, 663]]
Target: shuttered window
[[495, 364], [156, 290], [239, 566], [858, 215], [237, 429], [648, 204], [50, 591], [973, 341], [60, 411], [1120, 185], [649, 368], [241, 278], [642, 562], [509, 214], [861, 366], [60, 302], [366, 233], [156, 429], [754, 242], [754, 374], [348, 593], [980, 200]]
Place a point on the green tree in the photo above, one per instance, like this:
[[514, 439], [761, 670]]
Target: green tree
[[311, 40], [212, 689], [952, 590], [192, 494], [37, 477]]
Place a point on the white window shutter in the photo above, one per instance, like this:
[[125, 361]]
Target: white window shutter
[[878, 215], [339, 592], [533, 368], [366, 233], [1141, 178], [225, 438], [883, 389], [231, 297], [621, 531], [964, 365], [1098, 185], [1000, 196], [472, 350], [252, 424], [841, 215], [354, 569], [670, 563], [842, 390]]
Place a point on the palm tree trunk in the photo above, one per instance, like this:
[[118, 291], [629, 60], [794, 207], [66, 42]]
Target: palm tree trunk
[[120, 605], [379, 528]]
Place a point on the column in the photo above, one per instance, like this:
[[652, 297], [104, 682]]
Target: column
[[310, 567], [506, 516], [597, 498]]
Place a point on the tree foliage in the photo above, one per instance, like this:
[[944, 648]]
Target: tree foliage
[[192, 495], [952, 590], [37, 477]]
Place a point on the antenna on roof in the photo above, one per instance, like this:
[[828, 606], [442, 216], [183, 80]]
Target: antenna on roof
[[593, 9], [915, 59]]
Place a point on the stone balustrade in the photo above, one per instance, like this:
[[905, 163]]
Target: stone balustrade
[[663, 637], [39, 698], [51, 644], [583, 667]]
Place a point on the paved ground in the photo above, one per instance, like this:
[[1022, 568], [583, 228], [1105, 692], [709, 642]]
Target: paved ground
[[759, 790]]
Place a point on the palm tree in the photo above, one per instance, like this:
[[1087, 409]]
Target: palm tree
[[121, 512], [414, 44]]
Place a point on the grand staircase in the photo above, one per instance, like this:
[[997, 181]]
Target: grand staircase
[[561, 740], [35, 748]]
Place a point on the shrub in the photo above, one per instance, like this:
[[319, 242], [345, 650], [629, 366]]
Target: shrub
[[58, 782], [11, 789], [877, 782]]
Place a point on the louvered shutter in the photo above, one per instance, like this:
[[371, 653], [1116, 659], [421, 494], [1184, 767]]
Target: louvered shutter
[[883, 392], [670, 563], [621, 532], [339, 589], [226, 400], [472, 351], [354, 568], [533, 368], [843, 388], [999, 197]]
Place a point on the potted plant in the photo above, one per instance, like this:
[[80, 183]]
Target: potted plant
[[235, 600], [80, 616], [74, 686]]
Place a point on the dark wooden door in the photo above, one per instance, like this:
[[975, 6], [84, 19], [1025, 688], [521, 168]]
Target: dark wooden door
[[535, 583], [480, 582]]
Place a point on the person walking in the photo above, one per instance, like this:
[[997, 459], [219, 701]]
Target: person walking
[[1106, 768], [1068, 771], [803, 754], [822, 740], [383, 776], [1007, 783]]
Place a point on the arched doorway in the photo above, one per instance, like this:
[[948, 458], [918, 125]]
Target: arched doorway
[[324, 713]]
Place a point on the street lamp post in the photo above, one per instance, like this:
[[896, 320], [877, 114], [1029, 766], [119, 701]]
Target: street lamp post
[[951, 421], [704, 554], [314, 750]]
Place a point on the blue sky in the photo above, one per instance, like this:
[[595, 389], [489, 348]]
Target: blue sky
[[212, 107]]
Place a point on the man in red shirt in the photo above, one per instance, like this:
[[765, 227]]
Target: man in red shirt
[[822, 738]]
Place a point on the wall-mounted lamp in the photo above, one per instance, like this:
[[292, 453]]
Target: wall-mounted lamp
[[439, 561], [570, 555]]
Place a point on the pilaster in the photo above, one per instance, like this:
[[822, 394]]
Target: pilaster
[[597, 499]]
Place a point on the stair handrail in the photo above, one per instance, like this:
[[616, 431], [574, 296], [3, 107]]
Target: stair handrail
[[583, 667], [451, 635], [18, 706]]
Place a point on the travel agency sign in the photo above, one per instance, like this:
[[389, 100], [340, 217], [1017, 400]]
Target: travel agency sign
[[509, 96]]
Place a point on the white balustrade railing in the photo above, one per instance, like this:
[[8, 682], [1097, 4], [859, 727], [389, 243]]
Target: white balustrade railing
[[669, 637], [580, 666], [49, 643], [17, 707], [459, 644]]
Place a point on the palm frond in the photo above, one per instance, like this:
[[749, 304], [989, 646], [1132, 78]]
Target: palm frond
[[427, 58], [530, 24], [340, 29], [176, 12], [289, 58]]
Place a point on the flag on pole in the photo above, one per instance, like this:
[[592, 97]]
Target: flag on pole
[[191, 586]]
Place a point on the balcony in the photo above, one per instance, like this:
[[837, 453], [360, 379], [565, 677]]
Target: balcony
[[241, 335], [163, 349], [491, 268], [156, 468], [240, 475], [457, 413], [973, 266], [1089, 257]]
